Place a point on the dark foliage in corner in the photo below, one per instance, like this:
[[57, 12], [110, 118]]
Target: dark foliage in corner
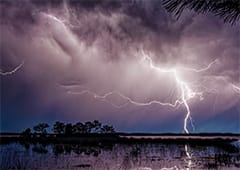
[[228, 10]]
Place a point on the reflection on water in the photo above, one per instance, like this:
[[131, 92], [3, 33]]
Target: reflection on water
[[118, 157]]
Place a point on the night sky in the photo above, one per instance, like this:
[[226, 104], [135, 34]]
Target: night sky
[[66, 57]]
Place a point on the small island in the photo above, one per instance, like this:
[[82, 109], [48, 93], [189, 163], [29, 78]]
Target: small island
[[94, 132]]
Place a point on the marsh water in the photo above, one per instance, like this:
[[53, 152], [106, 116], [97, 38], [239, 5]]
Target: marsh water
[[146, 156]]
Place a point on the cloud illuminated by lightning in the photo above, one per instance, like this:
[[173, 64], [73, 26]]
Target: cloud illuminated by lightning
[[186, 92], [236, 88], [2, 73], [50, 16]]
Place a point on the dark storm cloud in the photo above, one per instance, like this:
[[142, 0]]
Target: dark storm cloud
[[97, 45]]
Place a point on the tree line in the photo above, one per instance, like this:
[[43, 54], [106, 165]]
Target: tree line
[[70, 129]]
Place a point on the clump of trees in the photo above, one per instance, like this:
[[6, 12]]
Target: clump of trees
[[82, 128], [71, 129], [41, 128]]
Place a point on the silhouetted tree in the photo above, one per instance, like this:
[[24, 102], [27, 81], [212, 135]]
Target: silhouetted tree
[[228, 10], [92, 127], [107, 129], [88, 127], [58, 127], [69, 129], [26, 133], [41, 128], [96, 126], [78, 128]]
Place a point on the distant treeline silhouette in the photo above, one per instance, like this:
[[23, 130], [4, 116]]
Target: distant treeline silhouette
[[71, 129]]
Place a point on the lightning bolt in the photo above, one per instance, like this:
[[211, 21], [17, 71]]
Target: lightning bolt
[[186, 92], [202, 69], [106, 95], [2, 73]]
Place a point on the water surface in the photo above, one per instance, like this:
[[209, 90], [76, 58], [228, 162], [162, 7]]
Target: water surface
[[146, 156]]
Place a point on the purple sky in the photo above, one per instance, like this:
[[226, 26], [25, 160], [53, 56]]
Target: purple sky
[[71, 51]]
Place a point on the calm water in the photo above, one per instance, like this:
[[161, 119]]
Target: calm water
[[118, 157]]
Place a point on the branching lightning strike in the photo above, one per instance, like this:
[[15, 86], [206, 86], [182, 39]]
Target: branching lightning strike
[[202, 69], [106, 95], [186, 92]]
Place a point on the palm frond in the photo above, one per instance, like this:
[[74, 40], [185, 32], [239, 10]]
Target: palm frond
[[228, 10]]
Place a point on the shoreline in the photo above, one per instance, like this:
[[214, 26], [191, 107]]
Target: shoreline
[[196, 139]]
